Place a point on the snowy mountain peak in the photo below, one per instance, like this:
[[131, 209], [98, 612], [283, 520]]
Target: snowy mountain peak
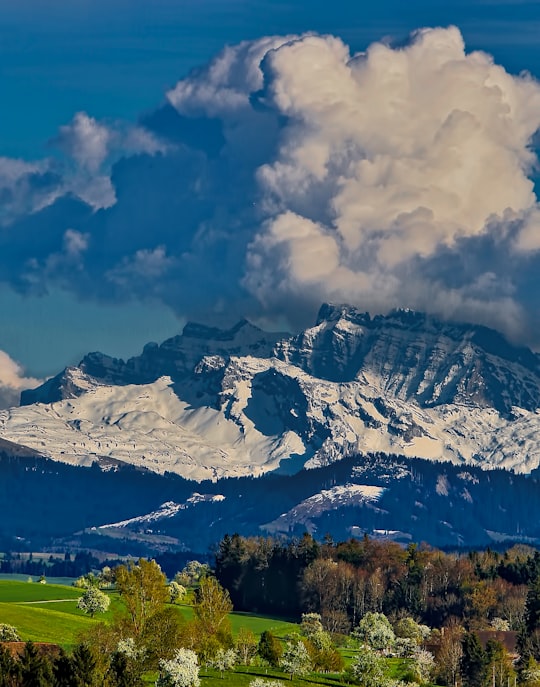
[[210, 403]]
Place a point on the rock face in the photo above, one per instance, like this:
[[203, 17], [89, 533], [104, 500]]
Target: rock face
[[211, 403]]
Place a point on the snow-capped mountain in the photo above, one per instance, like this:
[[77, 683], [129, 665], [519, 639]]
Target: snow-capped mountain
[[211, 404]]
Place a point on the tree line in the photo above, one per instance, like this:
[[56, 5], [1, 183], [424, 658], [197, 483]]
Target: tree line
[[345, 580]]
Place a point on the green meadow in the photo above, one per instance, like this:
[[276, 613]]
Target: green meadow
[[49, 613]]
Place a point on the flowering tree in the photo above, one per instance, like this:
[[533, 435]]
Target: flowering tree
[[93, 601], [423, 665], [261, 682], [180, 671], [8, 633], [192, 574], [368, 668], [225, 659], [375, 631], [295, 659], [176, 591], [311, 624]]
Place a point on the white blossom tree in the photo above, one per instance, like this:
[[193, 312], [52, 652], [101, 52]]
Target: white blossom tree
[[423, 665], [261, 682], [311, 624], [225, 659], [192, 573], [369, 668], [295, 659], [180, 671], [176, 591], [375, 631], [8, 633], [93, 601]]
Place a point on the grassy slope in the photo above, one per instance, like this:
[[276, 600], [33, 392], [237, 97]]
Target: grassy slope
[[16, 592], [37, 614], [43, 625]]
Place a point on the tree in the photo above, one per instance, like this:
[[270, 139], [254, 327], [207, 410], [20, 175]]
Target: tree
[[245, 645], [224, 659], [450, 653], [180, 671], [473, 660], [212, 605], [143, 588], [499, 663], [35, 669], [8, 633], [63, 671], [122, 672], [161, 636], [368, 668], [269, 649], [375, 631], [192, 573], [93, 601], [311, 624], [9, 668], [84, 665], [295, 659], [423, 665], [408, 628], [176, 591]]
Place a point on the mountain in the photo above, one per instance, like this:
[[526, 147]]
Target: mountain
[[219, 407], [211, 404]]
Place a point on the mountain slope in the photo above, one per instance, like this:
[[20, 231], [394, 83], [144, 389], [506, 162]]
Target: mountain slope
[[210, 404]]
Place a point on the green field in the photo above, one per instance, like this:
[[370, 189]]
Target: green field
[[16, 592], [49, 613]]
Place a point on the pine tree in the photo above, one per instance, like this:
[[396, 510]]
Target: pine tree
[[35, 668], [84, 665], [269, 649], [473, 661]]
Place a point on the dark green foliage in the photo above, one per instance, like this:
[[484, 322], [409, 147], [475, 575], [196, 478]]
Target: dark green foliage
[[122, 672], [532, 607], [9, 669], [474, 661], [84, 665], [269, 649], [258, 577], [63, 672], [35, 669]]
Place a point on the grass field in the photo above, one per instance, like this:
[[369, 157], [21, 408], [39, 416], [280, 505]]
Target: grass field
[[44, 625], [49, 613], [16, 592]]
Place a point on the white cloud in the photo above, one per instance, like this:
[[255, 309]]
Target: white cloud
[[394, 153], [287, 172], [13, 381]]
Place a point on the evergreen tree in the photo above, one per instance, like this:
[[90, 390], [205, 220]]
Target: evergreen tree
[[122, 672], [269, 649], [84, 665], [473, 661], [63, 672], [532, 606], [9, 668], [34, 667]]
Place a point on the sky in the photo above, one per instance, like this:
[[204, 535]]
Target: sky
[[164, 160]]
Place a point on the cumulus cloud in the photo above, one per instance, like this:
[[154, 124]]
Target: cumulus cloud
[[287, 172], [13, 381]]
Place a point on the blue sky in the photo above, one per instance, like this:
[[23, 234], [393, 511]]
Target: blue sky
[[114, 60]]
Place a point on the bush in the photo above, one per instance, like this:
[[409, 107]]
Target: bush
[[8, 633]]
